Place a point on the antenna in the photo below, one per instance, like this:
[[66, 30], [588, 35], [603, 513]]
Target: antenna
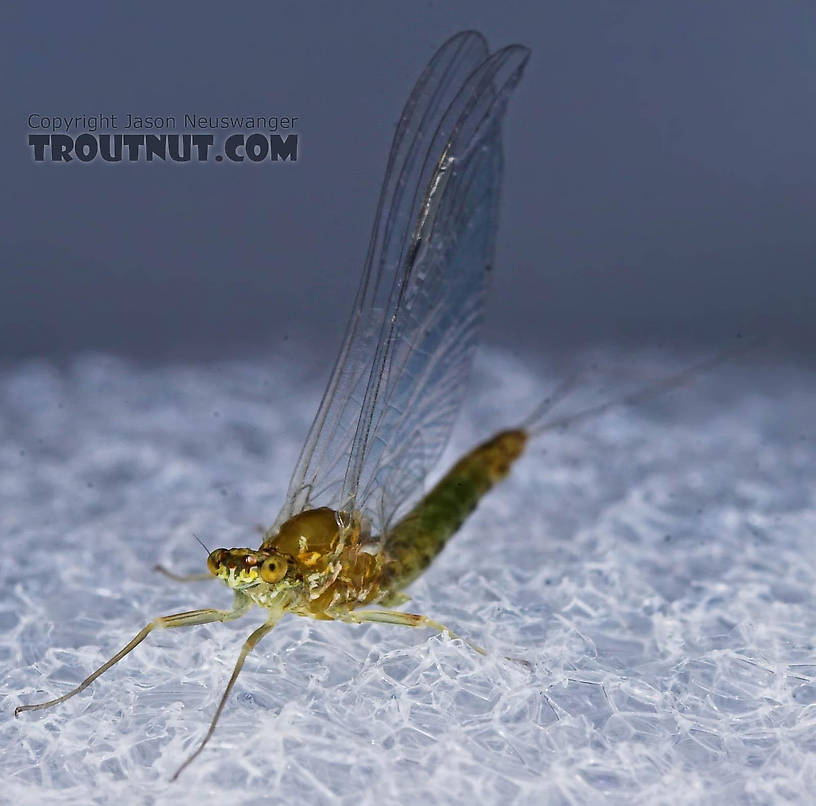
[[201, 542]]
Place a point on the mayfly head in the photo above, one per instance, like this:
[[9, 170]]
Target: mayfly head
[[245, 568]]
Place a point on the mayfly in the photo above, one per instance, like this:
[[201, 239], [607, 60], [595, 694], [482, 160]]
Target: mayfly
[[355, 529]]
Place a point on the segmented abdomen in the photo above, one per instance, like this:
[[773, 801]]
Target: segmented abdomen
[[413, 543]]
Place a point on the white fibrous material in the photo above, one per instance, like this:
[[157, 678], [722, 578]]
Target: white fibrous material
[[653, 568]]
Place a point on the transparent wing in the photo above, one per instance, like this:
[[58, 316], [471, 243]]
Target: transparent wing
[[433, 339], [324, 457], [425, 351], [398, 380]]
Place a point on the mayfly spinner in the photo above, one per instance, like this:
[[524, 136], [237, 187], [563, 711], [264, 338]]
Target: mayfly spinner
[[355, 530]]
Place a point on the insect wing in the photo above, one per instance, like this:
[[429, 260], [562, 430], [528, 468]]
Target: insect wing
[[323, 460], [433, 341], [401, 372], [425, 352]]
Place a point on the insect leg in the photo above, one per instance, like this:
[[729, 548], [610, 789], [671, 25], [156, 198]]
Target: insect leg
[[188, 619], [405, 619], [182, 577], [248, 646]]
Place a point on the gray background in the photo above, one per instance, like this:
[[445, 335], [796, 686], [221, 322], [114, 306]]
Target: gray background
[[659, 185]]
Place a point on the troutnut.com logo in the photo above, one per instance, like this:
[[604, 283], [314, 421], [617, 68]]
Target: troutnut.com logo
[[156, 138]]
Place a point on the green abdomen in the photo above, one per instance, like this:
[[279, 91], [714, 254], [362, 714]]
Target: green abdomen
[[412, 544]]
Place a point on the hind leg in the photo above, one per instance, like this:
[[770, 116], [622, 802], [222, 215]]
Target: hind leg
[[404, 619]]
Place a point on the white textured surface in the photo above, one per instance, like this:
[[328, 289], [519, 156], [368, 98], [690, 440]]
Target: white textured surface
[[656, 566]]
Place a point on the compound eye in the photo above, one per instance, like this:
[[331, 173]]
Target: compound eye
[[214, 560], [273, 569]]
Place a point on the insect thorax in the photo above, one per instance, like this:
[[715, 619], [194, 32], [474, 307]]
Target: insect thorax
[[307, 536], [328, 558]]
